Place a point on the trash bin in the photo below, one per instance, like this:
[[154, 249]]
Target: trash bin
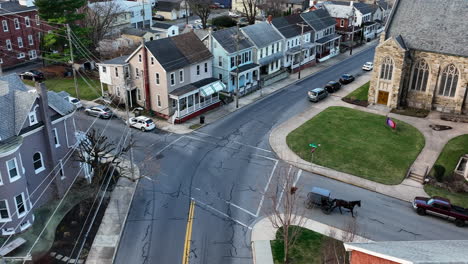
[[202, 119]]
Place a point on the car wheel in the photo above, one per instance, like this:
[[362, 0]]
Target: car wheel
[[142, 129], [459, 222], [421, 211]]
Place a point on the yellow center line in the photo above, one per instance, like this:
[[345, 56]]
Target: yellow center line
[[188, 233]]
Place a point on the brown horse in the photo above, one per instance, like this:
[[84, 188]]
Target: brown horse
[[348, 205]]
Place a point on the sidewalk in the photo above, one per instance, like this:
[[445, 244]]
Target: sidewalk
[[408, 189], [107, 239], [263, 231]]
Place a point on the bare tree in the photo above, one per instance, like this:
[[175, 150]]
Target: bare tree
[[333, 251], [273, 7], [285, 212], [202, 9], [100, 18], [250, 9]]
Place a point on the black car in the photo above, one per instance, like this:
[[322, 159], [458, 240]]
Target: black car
[[32, 75], [346, 78], [332, 86]]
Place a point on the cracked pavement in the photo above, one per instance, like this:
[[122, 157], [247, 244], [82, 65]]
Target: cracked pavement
[[225, 167]]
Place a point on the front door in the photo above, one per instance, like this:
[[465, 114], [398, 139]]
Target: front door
[[382, 98]]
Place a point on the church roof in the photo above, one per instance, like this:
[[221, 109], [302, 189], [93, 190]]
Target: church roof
[[430, 25]]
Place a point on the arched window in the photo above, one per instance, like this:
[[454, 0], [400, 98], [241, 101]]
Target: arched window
[[420, 76], [448, 81], [386, 69], [38, 162]]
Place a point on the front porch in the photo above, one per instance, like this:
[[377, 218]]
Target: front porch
[[193, 99], [328, 47], [248, 78], [300, 57]]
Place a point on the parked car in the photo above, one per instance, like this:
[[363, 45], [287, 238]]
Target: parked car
[[346, 78], [32, 75], [234, 14], [441, 207], [100, 111], [76, 102], [243, 21], [317, 94], [332, 86], [368, 66], [219, 5], [214, 6], [158, 17], [142, 123], [198, 21]]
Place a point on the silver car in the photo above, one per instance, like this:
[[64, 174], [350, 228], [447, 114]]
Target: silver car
[[99, 111], [317, 94]]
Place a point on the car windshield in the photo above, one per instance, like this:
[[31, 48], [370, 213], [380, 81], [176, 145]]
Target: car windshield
[[149, 121], [75, 101], [313, 93], [106, 109]]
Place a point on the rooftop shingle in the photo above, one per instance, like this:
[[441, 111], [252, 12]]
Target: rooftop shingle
[[227, 39], [318, 19], [261, 34]]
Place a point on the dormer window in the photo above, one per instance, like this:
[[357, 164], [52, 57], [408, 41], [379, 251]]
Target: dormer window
[[33, 117]]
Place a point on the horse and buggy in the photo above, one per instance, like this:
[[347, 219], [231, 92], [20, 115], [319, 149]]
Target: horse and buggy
[[319, 197]]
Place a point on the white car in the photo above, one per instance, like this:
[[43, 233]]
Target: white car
[[234, 14], [142, 123], [76, 102], [368, 66]]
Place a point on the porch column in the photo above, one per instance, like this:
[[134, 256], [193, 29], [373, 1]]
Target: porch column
[[178, 107]]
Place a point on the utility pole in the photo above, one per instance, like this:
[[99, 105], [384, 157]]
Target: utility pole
[[302, 25], [237, 66], [129, 126], [72, 61], [352, 33]]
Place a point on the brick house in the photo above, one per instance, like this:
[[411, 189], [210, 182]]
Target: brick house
[[21, 32], [418, 66]]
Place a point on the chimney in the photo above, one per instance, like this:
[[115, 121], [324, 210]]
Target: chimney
[[351, 3], [269, 19]]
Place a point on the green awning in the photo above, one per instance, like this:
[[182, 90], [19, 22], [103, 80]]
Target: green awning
[[212, 88]]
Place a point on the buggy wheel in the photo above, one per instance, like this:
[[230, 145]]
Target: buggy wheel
[[326, 210], [459, 222], [421, 211], [308, 204]]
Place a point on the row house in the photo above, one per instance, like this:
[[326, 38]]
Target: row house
[[231, 71], [365, 19], [173, 77], [345, 19], [327, 42], [299, 42], [115, 74], [268, 51], [20, 33], [173, 9], [37, 132]]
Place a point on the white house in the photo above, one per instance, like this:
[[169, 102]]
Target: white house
[[140, 12]]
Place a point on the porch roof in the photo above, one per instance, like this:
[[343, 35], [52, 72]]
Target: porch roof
[[327, 39], [192, 87], [296, 49], [271, 58], [246, 67]]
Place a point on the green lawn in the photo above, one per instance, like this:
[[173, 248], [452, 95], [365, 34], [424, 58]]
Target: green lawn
[[68, 85], [451, 153], [307, 249], [460, 199], [360, 93], [358, 143]]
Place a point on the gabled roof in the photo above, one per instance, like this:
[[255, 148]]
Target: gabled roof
[[161, 25], [337, 10], [425, 25], [226, 38], [261, 34], [178, 51], [8, 7], [133, 32], [383, 4], [288, 25], [168, 5], [16, 101], [417, 252], [116, 61], [318, 19], [365, 8]]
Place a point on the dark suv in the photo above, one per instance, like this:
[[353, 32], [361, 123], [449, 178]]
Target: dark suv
[[332, 86]]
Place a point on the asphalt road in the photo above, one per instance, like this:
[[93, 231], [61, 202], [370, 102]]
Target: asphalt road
[[228, 168]]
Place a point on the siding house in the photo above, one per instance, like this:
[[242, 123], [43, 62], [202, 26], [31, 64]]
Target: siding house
[[225, 66], [115, 74], [138, 35], [21, 32], [365, 19], [37, 132], [297, 52], [172, 9], [177, 77], [169, 30], [268, 51], [344, 15], [327, 42]]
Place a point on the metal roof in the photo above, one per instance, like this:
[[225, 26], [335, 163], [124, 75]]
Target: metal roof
[[288, 26], [226, 38], [261, 34], [9, 7], [319, 19]]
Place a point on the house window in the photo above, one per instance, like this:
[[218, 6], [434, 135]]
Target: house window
[[342, 23], [220, 76], [152, 60], [4, 212], [30, 40], [20, 206], [116, 72], [448, 81], [137, 72], [232, 62], [181, 76], [386, 69], [261, 53], [139, 94], [5, 25], [420, 76], [16, 22], [174, 103], [32, 117], [38, 163], [198, 69], [8, 44], [277, 47], [32, 54], [206, 66], [139, 58], [20, 55], [20, 42], [172, 79], [159, 100], [12, 167], [56, 138], [38, 21], [62, 174], [117, 89], [157, 78], [220, 61], [173, 32], [104, 69], [27, 22]]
